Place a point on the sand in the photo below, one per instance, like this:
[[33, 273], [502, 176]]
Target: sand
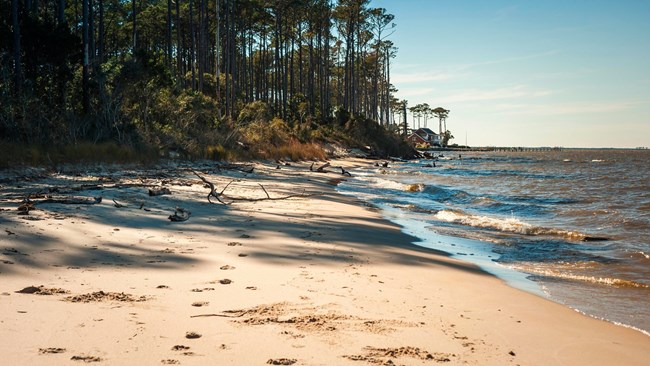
[[319, 279]]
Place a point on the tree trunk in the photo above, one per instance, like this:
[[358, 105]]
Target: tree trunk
[[180, 46], [169, 34], [102, 35], [86, 57], [135, 26], [61, 12], [18, 74], [217, 53]]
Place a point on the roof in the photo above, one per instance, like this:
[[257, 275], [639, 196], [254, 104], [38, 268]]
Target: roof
[[416, 136], [427, 131]]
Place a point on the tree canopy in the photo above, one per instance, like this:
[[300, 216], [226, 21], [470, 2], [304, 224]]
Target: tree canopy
[[181, 72]]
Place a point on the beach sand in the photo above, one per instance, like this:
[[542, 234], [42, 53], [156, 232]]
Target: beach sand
[[314, 280]]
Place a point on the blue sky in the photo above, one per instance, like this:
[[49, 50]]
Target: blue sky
[[573, 73]]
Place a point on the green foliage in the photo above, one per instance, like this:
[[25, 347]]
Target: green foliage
[[365, 132], [16, 155], [446, 136]]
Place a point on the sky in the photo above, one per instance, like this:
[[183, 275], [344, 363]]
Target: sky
[[570, 73]]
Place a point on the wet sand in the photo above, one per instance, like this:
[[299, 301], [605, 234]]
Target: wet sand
[[314, 280]]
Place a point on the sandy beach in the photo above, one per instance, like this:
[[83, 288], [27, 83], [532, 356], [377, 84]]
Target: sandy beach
[[315, 279]]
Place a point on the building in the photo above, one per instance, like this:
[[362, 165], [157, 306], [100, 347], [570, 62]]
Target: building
[[424, 136]]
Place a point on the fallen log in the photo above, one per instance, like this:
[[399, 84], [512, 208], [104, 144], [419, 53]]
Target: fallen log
[[68, 200]]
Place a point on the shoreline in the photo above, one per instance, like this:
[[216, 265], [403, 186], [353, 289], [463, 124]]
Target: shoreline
[[319, 280]]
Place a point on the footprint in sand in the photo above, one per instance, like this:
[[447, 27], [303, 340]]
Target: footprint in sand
[[226, 267], [180, 347], [170, 362], [85, 358], [192, 335], [49, 350], [234, 244], [200, 303], [281, 361]]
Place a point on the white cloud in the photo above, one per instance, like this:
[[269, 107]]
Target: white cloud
[[511, 92], [422, 77], [555, 109]]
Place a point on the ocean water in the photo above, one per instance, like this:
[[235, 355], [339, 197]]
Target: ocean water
[[571, 225]]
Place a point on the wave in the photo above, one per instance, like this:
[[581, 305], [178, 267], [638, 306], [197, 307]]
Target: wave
[[508, 225], [557, 273]]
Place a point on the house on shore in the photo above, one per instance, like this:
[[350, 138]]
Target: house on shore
[[424, 136]]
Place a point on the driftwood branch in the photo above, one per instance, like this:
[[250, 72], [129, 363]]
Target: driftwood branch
[[220, 195], [68, 200], [180, 215], [321, 169], [213, 191], [117, 204]]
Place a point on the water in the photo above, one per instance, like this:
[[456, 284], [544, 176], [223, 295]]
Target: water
[[575, 223]]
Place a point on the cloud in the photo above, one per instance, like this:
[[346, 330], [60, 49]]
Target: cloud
[[511, 92], [422, 77], [555, 109], [406, 93]]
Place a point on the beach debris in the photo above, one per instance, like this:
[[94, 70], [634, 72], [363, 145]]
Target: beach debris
[[86, 358], [192, 335], [321, 169], [170, 362], [66, 200], [282, 361], [41, 290], [25, 207], [225, 281], [180, 347], [48, 350], [159, 191], [105, 296], [221, 197], [117, 204], [198, 304], [180, 215], [383, 356]]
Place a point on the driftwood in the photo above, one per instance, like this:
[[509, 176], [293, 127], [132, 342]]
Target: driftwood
[[68, 200], [159, 191], [180, 215], [219, 196], [321, 169], [117, 204]]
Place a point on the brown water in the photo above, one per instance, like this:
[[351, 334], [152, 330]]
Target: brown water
[[576, 221]]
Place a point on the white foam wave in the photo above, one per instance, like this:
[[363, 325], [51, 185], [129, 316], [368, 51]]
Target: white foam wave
[[389, 184], [562, 274], [509, 225]]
